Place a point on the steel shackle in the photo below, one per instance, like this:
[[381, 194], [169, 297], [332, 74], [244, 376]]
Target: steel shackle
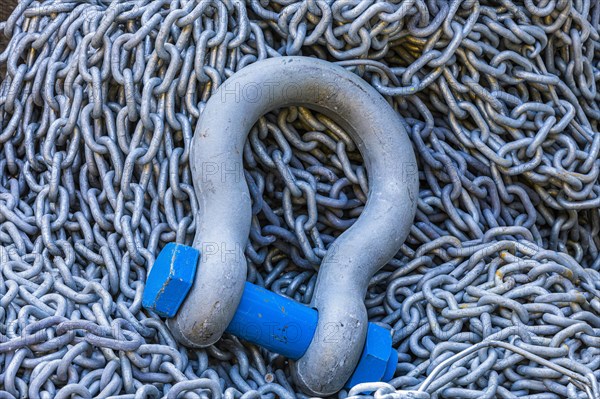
[[224, 215]]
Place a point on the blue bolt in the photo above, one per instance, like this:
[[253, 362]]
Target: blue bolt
[[264, 318]]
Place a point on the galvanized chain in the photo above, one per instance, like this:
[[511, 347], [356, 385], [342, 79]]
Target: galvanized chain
[[495, 293]]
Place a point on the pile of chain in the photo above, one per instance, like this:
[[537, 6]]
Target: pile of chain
[[495, 293]]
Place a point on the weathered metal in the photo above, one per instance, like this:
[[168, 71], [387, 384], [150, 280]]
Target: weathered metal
[[224, 207], [494, 293]]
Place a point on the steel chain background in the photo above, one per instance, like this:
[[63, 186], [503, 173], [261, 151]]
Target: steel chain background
[[495, 293]]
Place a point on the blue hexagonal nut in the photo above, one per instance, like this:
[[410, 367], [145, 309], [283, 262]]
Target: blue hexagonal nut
[[378, 359], [170, 279]]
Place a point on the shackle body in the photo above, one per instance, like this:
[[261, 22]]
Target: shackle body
[[224, 207]]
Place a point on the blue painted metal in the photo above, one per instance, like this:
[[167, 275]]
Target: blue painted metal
[[373, 362], [287, 327], [274, 322], [264, 318], [170, 279], [390, 368]]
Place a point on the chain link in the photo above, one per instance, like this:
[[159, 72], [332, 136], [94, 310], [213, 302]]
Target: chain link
[[493, 295]]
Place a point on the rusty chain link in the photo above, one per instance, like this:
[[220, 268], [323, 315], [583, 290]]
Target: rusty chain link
[[495, 293]]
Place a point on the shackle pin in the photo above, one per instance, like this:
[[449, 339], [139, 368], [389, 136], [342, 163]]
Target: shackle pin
[[274, 322]]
